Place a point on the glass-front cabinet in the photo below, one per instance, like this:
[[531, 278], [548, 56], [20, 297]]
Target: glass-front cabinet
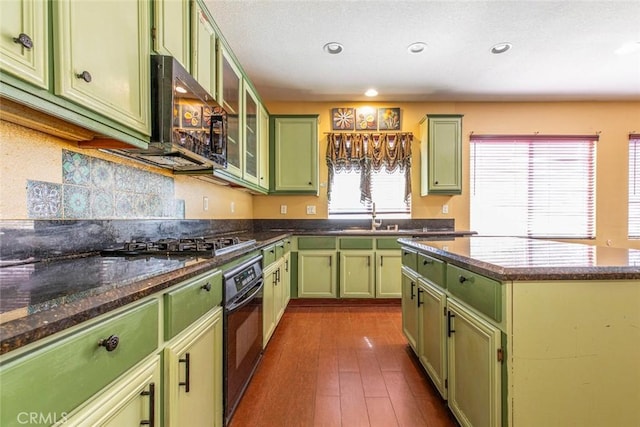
[[232, 103], [250, 136]]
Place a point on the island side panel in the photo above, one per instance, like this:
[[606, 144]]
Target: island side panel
[[575, 353]]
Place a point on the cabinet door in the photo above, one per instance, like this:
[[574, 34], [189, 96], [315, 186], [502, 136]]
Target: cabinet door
[[388, 277], [250, 136], [432, 330], [410, 307], [317, 274], [278, 292], [441, 152], [93, 41], [24, 46], [357, 274], [474, 369], [232, 103], [263, 150], [204, 53], [132, 401], [295, 154], [286, 280], [268, 303], [193, 374], [171, 29]]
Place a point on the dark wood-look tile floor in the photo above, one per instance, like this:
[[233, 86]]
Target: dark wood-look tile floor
[[343, 366]]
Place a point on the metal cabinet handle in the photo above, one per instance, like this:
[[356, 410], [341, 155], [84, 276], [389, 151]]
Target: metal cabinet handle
[[286, 266], [24, 40], [206, 287], [152, 405], [381, 260], [462, 279], [310, 183], [420, 291], [450, 316], [85, 75], [187, 372], [436, 183], [427, 261], [413, 285], [110, 343]]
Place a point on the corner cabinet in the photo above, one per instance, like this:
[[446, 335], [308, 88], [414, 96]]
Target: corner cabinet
[[294, 154], [441, 154], [92, 41], [24, 46]]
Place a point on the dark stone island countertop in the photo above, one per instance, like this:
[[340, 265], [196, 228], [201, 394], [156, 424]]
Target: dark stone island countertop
[[523, 259]]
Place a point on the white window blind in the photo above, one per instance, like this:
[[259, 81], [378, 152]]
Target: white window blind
[[634, 186], [533, 185], [387, 192]]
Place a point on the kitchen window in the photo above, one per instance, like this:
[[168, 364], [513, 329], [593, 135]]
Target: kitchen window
[[634, 186], [367, 170], [533, 185]]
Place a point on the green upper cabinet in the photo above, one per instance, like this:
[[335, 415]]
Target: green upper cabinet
[[263, 148], [441, 154], [24, 45], [251, 132], [231, 101], [93, 41], [294, 154], [171, 30], [204, 53]]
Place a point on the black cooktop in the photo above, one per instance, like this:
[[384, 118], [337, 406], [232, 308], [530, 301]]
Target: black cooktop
[[201, 246]]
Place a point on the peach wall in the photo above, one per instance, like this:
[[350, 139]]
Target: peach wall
[[30, 155], [612, 120]]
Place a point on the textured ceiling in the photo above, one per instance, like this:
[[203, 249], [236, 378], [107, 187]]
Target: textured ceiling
[[562, 50]]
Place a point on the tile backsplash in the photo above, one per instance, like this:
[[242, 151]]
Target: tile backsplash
[[94, 188]]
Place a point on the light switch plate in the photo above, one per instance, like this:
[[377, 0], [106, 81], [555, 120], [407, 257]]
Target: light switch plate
[[283, 209], [311, 209]]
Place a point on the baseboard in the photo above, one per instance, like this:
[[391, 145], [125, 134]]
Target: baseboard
[[318, 302]]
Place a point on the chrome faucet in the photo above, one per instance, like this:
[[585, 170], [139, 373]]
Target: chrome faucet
[[374, 224]]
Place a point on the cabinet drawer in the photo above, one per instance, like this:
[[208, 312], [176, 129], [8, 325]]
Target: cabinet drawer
[[355, 243], [187, 303], [279, 249], [388, 243], [268, 256], [56, 378], [482, 293], [432, 269], [410, 258], [287, 245], [316, 243]]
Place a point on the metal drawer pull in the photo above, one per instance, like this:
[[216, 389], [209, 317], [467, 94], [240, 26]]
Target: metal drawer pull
[[24, 40], [206, 287], [427, 261], [450, 316], [463, 279], [187, 375], [419, 292], [413, 285], [85, 75], [152, 405], [110, 343]]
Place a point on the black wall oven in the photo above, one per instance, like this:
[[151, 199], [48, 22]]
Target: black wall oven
[[243, 287]]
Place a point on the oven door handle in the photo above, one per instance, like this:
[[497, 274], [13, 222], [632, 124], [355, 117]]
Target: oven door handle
[[247, 297]]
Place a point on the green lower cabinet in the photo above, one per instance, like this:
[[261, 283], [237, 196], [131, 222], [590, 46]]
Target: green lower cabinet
[[317, 274], [474, 368], [270, 276], [357, 274], [410, 307], [432, 333], [193, 374], [132, 401], [388, 279]]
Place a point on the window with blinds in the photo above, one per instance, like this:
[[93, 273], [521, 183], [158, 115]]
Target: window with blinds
[[533, 185], [387, 192], [634, 186]]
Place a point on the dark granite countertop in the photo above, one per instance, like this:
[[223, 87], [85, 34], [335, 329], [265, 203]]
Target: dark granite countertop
[[522, 259]]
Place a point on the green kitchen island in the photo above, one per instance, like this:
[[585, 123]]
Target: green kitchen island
[[526, 332]]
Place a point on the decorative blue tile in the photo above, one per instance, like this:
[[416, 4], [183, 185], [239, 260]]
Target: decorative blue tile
[[154, 206], [44, 199], [102, 174], [76, 202], [102, 204], [75, 168], [126, 178], [140, 205], [124, 205]]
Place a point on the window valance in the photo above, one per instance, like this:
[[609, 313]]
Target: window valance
[[365, 152]]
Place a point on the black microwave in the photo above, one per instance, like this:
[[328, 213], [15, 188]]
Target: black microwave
[[188, 127]]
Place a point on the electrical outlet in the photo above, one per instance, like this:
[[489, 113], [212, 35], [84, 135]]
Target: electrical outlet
[[283, 209], [445, 209], [205, 203], [311, 209], [233, 207]]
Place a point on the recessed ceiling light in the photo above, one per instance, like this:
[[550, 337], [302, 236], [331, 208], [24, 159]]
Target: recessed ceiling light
[[180, 89], [371, 92], [501, 48], [416, 47], [333, 48]]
